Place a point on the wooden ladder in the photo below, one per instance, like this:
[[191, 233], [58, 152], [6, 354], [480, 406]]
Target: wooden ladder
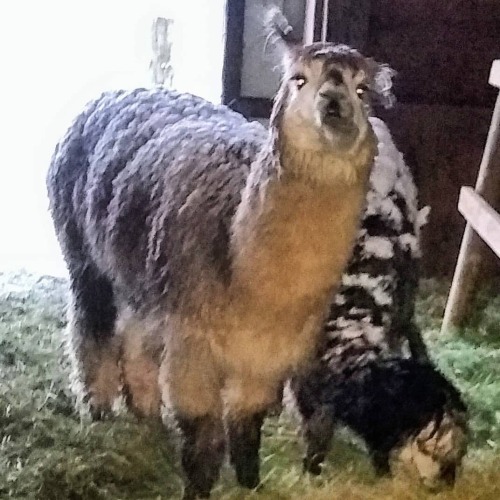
[[483, 222]]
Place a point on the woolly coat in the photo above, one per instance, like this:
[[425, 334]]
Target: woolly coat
[[111, 180], [384, 400], [173, 201], [108, 183]]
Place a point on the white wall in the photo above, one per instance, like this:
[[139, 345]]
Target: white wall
[[55, 55]]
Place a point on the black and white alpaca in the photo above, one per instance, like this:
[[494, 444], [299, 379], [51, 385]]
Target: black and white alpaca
[[374, 309], [372, 372]]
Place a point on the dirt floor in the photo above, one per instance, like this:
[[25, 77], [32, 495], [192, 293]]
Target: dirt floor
[[49, 452]]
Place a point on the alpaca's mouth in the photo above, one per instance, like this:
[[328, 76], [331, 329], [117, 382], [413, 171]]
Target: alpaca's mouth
[[341, 125], [339, 132], [449, 474], [437, 485]]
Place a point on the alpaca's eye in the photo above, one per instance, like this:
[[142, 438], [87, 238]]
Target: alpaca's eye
[[299, 80], [361, 90]]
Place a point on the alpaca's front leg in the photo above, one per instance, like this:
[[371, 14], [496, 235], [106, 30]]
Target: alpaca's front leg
[[244, 441], [247, 400], [317, 425], [380, 461], [202, 453], [190, 386], [318, 433]]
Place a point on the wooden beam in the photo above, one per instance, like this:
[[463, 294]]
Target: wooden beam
[[495, 74], [481, 216], [161, 63], [470, 257]]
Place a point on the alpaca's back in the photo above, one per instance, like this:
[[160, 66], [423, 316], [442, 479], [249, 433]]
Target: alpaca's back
[[137, 166]]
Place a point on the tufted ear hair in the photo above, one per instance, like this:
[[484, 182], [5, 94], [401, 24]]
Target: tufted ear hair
[[280, 101], [382, 84]]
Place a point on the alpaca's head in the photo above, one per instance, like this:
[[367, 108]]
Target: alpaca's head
[[436, 452], [323, 104], [324, 100]]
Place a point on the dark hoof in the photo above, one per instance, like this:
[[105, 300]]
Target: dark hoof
[[248, 478], [202, 453], [244, 440], [100, 414], [190, 494], [313, 465]]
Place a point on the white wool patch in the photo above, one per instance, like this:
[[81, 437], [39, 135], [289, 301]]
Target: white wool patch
[[385, 169], [333, 354], [385, 207], [374, 334], [356, 328], [351, 332], [374, 285], [422, 217], [409, 242], [384, 174], [390, 172], [339, 300], [377, 246], [358, 311]]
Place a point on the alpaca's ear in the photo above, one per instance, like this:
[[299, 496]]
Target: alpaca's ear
[[382, 84], [279, 33]]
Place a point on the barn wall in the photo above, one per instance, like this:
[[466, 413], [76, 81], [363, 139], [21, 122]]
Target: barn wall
[[443, 52], [443, 145]]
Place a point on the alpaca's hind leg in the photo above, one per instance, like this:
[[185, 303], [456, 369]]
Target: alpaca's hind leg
[[247, 403], [318, 432], [140, 359], [190, 387], [317, 425], [92, 347]]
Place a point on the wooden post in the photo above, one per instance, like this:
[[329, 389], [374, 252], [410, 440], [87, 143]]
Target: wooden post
[[471, 255], [481, 216], [161, 65]]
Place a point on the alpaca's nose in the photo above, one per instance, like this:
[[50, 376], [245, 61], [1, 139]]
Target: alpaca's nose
[[334, 107]]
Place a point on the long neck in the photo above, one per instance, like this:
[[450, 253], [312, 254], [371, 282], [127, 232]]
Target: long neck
[[293, 231]]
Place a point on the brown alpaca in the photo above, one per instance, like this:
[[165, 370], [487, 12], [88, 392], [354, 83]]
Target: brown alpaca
[[203, 255]]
